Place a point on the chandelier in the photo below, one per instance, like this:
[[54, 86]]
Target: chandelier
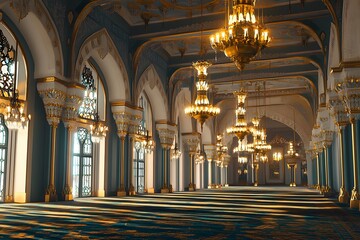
[[202, 109], [277, 156], [145, 139], [221, 150], [14, 117], [175, 153], [240, 129], [243, 36], [291, 153], [241, 149], [98, 129]]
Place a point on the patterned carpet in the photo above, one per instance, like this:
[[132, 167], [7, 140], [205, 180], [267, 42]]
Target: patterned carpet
[[228, 213]]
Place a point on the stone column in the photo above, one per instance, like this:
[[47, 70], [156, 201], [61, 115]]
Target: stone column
[[348, 90], [226, 164], [121, 114], [73, 101], [53, 93], [210, 151], [191, 141], [354, 200], [166, 132], [135, 118], [341, 120]]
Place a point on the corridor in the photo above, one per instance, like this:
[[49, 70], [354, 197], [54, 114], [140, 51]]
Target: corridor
[[228, 213]]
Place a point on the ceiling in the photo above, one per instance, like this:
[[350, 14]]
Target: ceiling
[[178, 31]]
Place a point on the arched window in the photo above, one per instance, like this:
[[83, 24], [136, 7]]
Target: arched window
[[3, 156], [82, 164], [94, 99], [8, 45]]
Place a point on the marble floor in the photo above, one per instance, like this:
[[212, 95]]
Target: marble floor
[[227, 213]]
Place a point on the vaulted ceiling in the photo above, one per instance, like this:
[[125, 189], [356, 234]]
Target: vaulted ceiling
[[178, 31]]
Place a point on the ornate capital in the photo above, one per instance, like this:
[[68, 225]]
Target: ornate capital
[[337, 109], [191, 141], [166, 133], [349, 93], [53, 94], [127, 118], [73, 101], [210, 151]]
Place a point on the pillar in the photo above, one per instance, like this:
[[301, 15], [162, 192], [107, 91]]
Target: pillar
[[53, 93], [74, 97], [191, 141], [354, 200], [210, 151], [166, 132]]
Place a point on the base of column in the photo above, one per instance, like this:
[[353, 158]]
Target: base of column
[[292, 184], [132, 191], [170, 189], [69, 197], [151, 190], [343, 196], [50, 195], [210, 186], [68, 193], [164, 190], [326, 191], [192, 187], [255, 184], [120, 193], [354, 201], [9, 199], [317, 187]]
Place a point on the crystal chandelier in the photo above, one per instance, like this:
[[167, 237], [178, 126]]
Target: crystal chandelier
[[202, 109], [175, 152], [291, 153], [244, 36], [240, 129], [14, 117], [97, 129], [277, 156], [145, 139]]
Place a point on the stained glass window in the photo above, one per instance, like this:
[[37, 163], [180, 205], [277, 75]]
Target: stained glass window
[[82, 164], [3, 156]]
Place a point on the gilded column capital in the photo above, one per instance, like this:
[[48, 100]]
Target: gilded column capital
[[191, 141], [73, 100], [337, 109], [53, 94], [127, 118], [349, 93], [210, 151], [166, 132]]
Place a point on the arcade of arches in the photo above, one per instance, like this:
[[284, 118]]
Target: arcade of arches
[[127, 65]]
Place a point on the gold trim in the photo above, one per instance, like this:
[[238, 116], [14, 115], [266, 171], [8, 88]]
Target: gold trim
[[191, 133], [58, 80], [165, 122], [125, 104], [342, 65]]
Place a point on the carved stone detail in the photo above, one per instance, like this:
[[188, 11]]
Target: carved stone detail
[[53, 95], [166, 134]]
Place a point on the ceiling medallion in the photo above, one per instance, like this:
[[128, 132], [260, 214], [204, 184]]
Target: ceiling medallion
[[202, 109], [244, 36]]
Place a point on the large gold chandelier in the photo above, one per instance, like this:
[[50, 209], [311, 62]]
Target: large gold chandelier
[[202, 109], [243, 36], [240, 129]]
